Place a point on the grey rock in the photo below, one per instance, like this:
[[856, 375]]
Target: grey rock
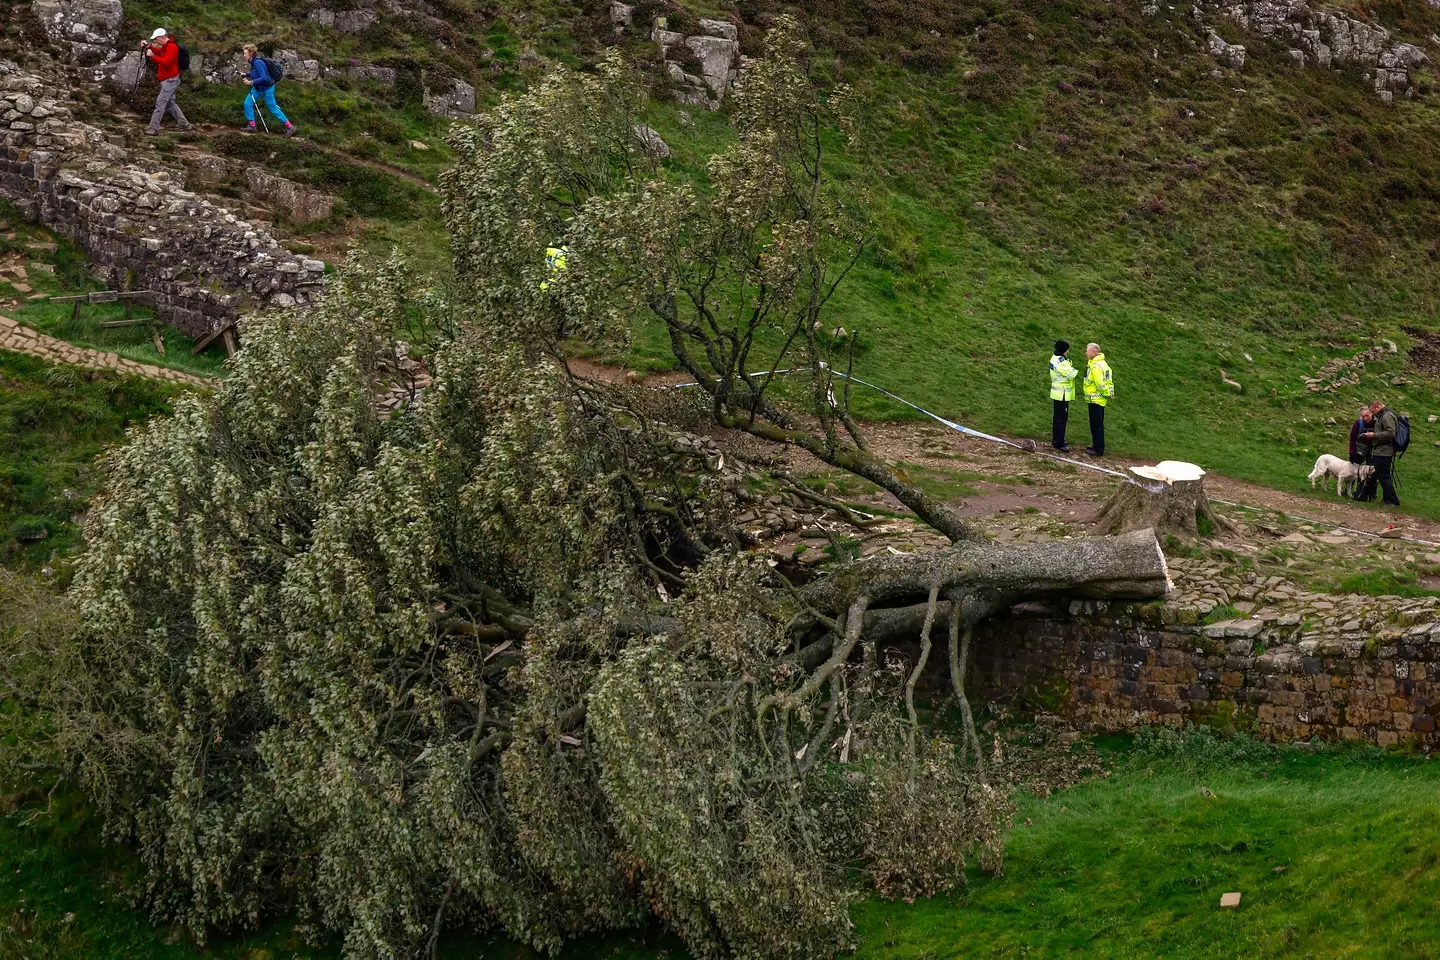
[[345, 21], [369, 71], [297, 68], [456, 98], [124, 75], [720, 28], [650, 139], [622, 14], [85, 30]]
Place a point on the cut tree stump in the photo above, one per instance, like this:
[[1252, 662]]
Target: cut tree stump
[[1168, 498]]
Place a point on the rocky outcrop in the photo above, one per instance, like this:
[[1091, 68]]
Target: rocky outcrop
[[299, 203], [1316, 38], [204, 263], [85, 32], [449, 97], [298, 68], [704, 66], [1230, 54], [345, 21]]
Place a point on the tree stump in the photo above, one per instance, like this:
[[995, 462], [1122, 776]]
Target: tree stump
[[1168, 498]]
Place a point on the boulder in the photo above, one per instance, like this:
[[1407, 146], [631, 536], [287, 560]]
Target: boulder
[[345, 21], [453, 98], [386, 76], [123, 76], [652, 142], [720, 28], [622, 14], [1230, 54], [297, 68]]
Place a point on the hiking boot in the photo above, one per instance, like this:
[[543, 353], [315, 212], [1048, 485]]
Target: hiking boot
[[289, 131], [152, 133], [249, 129], [188, 128], [1063, 448], [1093, 452]]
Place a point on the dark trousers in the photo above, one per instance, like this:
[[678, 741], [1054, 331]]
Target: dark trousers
[[1058, 423], [1385, 478], [1097, 427]]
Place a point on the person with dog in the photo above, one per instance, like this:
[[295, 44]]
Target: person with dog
[[262, 88], [162, 50], [1381, 439], [1361, 425], [1062, 391], [1099, 389]]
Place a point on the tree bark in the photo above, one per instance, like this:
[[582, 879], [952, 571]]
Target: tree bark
[[1178, 509], [986, 578]]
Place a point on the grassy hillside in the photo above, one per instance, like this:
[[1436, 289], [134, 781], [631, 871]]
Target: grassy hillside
[[1034, 170], [1096, 183]]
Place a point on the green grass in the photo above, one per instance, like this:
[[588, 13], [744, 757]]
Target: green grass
[[54, 422], [1134, 866], [1128, 865]]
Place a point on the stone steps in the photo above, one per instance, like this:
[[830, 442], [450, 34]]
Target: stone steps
[[19, 338]]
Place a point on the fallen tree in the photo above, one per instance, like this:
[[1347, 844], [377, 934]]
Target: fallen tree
[[497, 660]]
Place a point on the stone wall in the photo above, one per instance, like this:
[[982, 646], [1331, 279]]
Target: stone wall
[[1373, 677], [138, 225]]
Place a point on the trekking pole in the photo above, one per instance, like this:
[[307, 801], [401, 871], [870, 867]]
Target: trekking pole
[[256, 104]]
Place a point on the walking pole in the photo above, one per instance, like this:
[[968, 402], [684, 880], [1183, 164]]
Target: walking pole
[[256, 104]]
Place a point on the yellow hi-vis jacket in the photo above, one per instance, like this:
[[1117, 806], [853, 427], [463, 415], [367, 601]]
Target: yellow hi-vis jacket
[[1062, 378], [555, 258], [1099, 388]]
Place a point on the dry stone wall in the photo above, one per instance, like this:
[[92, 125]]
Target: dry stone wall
[[137, 225], [1371, 673]]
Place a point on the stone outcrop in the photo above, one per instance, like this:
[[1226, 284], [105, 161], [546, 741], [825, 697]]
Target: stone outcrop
[[298, 68], [297, 202], [84, 31], [204, 263], [449, 98], [704, 66], [1318, 38], [345, 21]]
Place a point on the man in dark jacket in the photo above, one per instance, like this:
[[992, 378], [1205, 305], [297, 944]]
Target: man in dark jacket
[[1382, 451], [165, 53]]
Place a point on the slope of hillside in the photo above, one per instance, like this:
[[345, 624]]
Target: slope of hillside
[[1078, 172]]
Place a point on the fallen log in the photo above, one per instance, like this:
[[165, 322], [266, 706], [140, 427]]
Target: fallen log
[[985, 578]]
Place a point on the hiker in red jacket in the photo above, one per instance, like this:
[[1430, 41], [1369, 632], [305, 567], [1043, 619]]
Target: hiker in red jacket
[[165, 53]]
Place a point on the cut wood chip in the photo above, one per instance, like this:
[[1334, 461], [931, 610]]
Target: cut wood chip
[[499, 650], [1230, 899]]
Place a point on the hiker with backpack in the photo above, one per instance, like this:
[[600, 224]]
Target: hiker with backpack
[[1387, 440], [261, 80], [169, 58]]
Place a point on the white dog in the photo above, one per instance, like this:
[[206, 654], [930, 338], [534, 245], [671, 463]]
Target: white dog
[[1346, 474]]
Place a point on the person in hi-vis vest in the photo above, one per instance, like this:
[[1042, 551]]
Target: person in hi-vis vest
[[1062, 391], [1099, 390]]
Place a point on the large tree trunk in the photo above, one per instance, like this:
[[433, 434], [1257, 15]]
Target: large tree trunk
[[985, 578]]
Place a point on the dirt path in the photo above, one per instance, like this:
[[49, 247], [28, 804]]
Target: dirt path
[[22, 339], [210, 129]]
